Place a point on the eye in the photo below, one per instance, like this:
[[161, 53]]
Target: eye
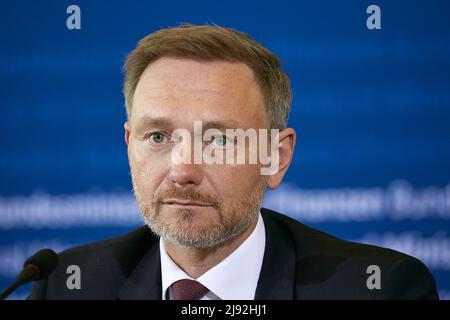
[[157, 137], [222, 140]]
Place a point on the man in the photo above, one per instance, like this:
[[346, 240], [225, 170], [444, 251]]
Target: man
[[206, 235]]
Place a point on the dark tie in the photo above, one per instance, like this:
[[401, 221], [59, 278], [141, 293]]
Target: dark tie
[[188, 290]]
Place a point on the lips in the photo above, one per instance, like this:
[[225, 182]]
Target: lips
[[185, 203]]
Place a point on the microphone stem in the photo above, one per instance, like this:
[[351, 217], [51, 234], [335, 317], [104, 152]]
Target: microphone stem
[[28, 273], [5, 293]]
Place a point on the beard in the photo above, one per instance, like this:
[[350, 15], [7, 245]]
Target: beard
[[227, 221]]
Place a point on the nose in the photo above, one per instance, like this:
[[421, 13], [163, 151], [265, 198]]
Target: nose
[[185, 174], [184, 171]]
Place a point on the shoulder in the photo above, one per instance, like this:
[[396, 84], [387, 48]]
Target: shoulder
[[126, 246], [103, 265], [308, 240], [323, 259]]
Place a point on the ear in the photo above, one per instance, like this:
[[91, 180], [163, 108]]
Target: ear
[[287, 139], [127, 132]]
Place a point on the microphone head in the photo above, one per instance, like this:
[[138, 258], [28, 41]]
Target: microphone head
[[45, 261]]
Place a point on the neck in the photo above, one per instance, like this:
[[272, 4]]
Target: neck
[[196, 261]]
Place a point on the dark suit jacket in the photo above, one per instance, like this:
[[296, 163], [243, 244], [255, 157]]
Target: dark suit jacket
[[299, 263]]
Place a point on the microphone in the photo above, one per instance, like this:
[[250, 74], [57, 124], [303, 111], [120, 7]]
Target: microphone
[[37, 267]]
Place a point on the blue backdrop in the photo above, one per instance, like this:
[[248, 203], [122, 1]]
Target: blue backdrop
[[371, 108]]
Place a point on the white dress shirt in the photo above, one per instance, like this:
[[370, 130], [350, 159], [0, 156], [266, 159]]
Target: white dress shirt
[[235, 277]]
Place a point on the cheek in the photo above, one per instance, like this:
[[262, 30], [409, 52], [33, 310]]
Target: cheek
[[147, 169], [234, 181]]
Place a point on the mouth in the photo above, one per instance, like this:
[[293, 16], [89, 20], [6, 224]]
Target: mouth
[[184, 203]]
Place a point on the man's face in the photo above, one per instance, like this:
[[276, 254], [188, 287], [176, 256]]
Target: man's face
[[196, 205]]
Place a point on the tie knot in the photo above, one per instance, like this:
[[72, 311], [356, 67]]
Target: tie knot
[[188, 290]]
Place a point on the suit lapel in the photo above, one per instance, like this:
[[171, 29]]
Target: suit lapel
[[144, 283], [277, 277]]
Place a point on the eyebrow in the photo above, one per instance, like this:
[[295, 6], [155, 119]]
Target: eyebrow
[[162, 122], [149, 122], [220, 124]]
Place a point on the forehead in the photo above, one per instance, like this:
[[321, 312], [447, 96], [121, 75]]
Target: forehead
[[186, 90]]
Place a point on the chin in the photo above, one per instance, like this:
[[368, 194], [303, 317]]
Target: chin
[[188, 213]]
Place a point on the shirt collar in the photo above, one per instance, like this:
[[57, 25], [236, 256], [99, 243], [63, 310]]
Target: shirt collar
[[234, 278]]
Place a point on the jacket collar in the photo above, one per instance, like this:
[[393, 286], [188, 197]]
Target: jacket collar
[[277, 277], [144, 283]]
